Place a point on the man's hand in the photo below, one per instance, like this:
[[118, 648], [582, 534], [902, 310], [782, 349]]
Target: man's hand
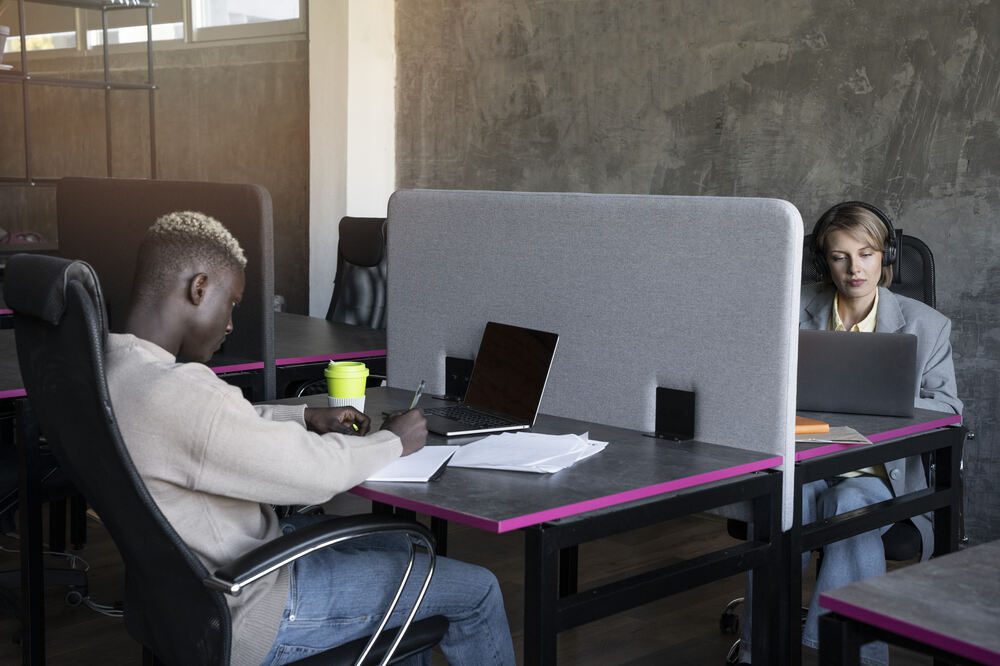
[[345, 420], [410, 427]]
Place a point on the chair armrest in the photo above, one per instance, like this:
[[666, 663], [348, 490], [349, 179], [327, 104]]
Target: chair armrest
[[273, 555]]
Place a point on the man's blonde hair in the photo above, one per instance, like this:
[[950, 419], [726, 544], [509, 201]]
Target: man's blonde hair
[[191, 228], [181, 242]]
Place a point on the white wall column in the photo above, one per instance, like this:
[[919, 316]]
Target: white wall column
[[352, 126]]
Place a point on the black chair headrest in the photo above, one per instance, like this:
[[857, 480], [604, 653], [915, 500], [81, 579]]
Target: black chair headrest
[[362, 240], [35, 285]]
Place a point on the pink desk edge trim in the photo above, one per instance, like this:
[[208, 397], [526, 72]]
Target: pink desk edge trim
[[833, 447], [950, 419], [903, 628], [511, 524], [13, 393], [344, 356], [6, 311]]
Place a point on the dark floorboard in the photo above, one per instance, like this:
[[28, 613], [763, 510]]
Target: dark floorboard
[[682, 630]]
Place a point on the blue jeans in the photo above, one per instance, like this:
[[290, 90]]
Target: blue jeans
[[340, 593], [844, 562]]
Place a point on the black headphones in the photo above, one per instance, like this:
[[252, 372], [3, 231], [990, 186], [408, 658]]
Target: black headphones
[[888, 250]]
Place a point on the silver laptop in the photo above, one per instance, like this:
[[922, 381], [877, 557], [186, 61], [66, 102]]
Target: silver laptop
[[857, 373], [506, 386]]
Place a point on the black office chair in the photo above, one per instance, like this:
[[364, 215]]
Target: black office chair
[[913, 276], [359, 286], [173, 606]]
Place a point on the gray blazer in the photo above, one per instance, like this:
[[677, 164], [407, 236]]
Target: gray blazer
[[937, 390]]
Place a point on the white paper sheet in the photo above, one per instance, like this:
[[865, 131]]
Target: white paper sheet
[[416, 467], [526, 452]]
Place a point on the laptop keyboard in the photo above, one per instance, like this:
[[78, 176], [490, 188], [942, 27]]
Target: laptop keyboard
[[468, 416]]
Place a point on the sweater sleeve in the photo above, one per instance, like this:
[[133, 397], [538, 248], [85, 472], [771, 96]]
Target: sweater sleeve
[[277, 461], [282, 413]]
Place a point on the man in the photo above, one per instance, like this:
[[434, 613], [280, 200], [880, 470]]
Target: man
[[215, 464]]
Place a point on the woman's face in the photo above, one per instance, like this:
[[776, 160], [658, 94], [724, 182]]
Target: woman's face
[[855, 266]]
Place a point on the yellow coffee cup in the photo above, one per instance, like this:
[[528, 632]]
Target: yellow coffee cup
[[345, 384]]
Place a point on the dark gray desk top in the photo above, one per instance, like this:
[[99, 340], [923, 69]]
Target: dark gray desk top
[[632, 467], [950, 602], [301, 339], [875, 428]]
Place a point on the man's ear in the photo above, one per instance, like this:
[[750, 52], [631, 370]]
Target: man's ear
[[197, 287]]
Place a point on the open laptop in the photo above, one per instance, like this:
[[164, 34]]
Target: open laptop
[[506, 386], [858, 373]]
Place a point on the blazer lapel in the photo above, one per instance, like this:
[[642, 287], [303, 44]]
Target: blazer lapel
[[890, 317], [816, 314]]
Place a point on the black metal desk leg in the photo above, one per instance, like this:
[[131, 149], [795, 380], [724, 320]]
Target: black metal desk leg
[[765, 521], [948, 463], [839, 642], [30, 527], [541, 597], [791, 601], [439, 527]]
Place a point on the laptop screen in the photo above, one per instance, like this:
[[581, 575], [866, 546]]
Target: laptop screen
[[510, 370], [859, 373]]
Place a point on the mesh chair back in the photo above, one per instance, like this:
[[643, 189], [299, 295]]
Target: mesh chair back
[[912, 275], [360, 282], [61, 331]]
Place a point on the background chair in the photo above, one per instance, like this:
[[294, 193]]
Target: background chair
[[358, 288], [173, 606], [359, 283]]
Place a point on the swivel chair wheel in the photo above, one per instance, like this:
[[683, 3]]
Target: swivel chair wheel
[[74, 598]]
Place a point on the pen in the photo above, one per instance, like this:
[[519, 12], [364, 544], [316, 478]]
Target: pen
[[416, 394]]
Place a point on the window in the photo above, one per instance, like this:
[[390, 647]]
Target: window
[[128, 26], [48, 27], [232, 19], [53, 27]]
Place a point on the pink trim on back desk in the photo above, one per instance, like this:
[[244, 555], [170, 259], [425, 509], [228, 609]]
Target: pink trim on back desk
[[517, 522], [12, 393], [6, 311], [903, 628]]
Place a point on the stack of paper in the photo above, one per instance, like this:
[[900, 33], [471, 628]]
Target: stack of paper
[[526, 452], [416, 467]]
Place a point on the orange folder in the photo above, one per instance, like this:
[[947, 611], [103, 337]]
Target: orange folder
[[805, 426]]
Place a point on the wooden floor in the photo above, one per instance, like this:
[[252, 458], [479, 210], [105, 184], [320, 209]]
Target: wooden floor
[[681, 630]]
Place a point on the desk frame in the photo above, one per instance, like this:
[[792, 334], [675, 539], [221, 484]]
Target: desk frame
[[552, 604], [943, 498], [841, 639]]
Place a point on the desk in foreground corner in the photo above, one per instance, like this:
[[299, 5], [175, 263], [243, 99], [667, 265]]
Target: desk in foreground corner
[[948, 607]]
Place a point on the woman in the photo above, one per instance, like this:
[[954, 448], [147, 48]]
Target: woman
[[854, 248]]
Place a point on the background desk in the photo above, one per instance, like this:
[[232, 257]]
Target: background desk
[[636, 481], [948, 607], [928, 432]]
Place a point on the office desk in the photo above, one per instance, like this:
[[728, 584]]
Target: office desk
[[636, 481], [948, 607], [937, 434]]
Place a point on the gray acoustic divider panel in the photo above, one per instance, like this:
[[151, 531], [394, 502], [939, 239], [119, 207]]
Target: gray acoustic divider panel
[[694, 293], [103, 220]]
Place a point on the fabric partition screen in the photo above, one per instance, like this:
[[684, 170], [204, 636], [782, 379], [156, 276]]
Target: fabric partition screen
[[692, 293], [103, 220]]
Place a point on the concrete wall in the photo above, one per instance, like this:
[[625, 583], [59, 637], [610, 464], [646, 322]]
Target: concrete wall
[[816, 101], [230, 113]]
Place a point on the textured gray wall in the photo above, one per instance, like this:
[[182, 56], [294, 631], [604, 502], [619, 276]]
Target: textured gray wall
[[232, 113], [893, 101]]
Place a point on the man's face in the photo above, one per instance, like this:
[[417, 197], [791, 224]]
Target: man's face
[[222, 290]]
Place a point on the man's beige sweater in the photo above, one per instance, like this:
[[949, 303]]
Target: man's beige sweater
[[214, 464]]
